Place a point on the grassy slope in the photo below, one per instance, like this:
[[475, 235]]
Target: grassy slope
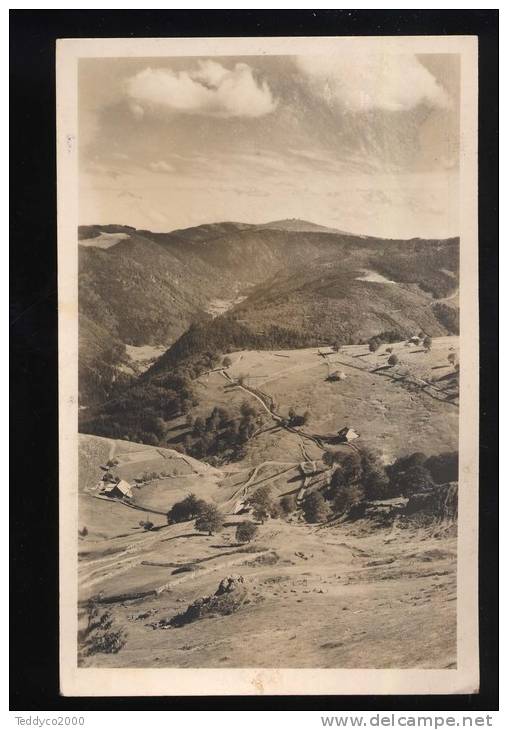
[[317, 597], [325, 608], [387, 415]]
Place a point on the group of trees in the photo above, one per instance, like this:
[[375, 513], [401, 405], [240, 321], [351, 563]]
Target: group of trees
[[263, 505], [224, 334], [358, 477], [185, 510], [384, 338], [141, 412], [207, 516], [223, 433]]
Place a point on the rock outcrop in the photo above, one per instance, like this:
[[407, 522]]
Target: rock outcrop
[[228, 598]]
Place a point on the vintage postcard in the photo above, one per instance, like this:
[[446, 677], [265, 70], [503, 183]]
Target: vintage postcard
[[268, 342]]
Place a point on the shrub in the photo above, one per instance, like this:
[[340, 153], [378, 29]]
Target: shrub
[[84, 531], [227, 362], [393, 360], [427, 342], [148, 525], [315, 509], [246, 531], [100, 635], [210, 519]]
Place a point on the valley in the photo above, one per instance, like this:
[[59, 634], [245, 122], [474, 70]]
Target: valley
[[268, 441]]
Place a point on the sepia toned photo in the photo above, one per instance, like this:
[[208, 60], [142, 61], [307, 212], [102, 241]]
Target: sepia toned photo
[[268, 365]]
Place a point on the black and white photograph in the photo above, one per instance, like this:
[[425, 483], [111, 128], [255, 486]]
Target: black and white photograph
[[267, 272]]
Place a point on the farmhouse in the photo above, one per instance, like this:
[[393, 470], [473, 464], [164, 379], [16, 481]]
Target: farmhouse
[[347, 434], [240, 507], [120, 490], [308, 468]]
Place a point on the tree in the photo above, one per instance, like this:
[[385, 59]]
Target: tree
[[346, 497], [288, 504], [393, 360], [427, 342], [227, 362], [262, 503], [315, 508], [209, 520], [444, 467], [246, 531], [275, 510], [349, 470], [247, 410], [403, 463], [388, 350], [374, 478], [306, 417], [187, 509], [452, 358], [415, 480], [199, 425]]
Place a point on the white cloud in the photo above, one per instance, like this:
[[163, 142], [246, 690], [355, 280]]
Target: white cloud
[[362, 83], [211, 90], [161, 166]]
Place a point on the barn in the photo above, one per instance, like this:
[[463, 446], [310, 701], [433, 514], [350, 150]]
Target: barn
[[119, 490], [347, 434]]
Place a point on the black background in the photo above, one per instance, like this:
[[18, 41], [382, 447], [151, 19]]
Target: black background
[[34, 679]]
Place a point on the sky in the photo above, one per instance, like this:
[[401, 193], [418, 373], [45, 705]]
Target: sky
[[368, 144]]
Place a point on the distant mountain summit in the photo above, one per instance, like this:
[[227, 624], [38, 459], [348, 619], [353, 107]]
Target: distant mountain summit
[[301, 226]]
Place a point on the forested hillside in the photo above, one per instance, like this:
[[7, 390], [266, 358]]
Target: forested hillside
[[301, 285]]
